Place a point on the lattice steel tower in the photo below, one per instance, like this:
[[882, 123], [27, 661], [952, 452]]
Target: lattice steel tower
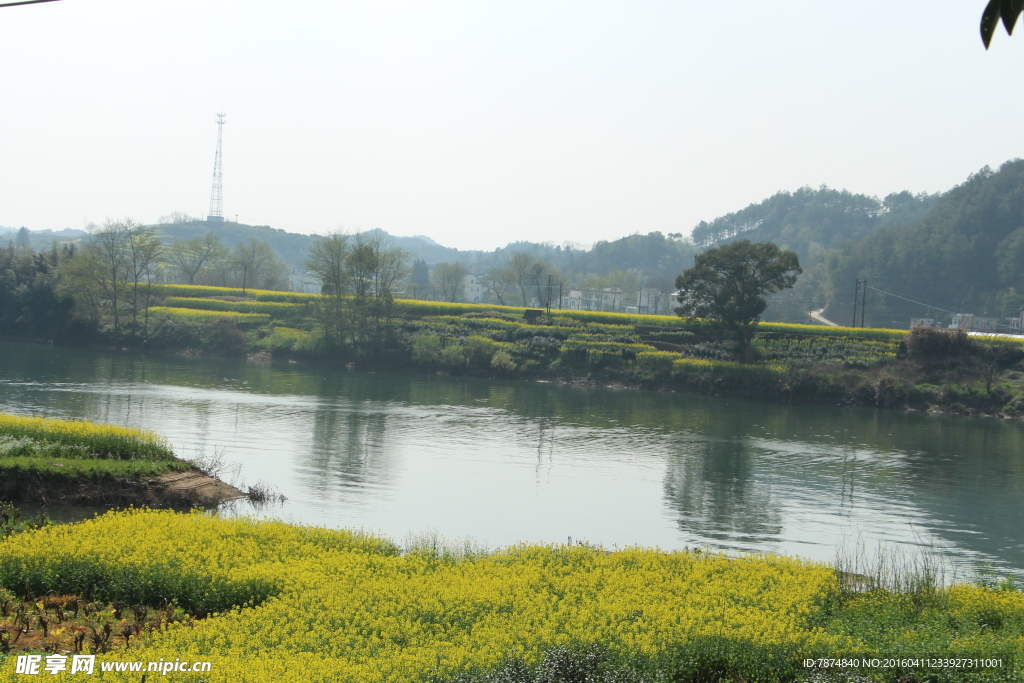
[[216, 198]]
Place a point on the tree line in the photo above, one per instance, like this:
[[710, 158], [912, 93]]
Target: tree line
[[106, 282]]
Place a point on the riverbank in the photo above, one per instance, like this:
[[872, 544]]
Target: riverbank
[[802, 364], [935, 371], [71, 462], [266, 601]]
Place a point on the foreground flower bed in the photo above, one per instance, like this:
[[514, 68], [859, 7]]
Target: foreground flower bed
[[291, 603]]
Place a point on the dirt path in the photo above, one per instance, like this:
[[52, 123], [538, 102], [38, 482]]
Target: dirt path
[[822, 319], [194, 486]]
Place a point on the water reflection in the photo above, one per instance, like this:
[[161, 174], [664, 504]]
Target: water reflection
[[713, 488], [508, 461]]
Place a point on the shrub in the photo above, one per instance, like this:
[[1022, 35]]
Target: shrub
[[928, 343], [656, 360], [454, 356], [502, 360], [285, 339], [426, 348], [888, 391], [313, 344], [225, 336]]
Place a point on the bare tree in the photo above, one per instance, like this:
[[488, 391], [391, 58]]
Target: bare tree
[[104, 276], [107, 248], [521, 264], [327, 262], [176, 217], [142, 252], [375, 273], [250, 257], [497, 281], [449, 279], [190, 256]]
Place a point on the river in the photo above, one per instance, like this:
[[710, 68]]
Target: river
[[506, 461]]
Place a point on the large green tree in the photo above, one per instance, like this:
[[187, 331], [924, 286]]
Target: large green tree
[[729, 284]]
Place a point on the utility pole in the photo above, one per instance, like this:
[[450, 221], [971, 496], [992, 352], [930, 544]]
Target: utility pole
[[559, 296], [864, 302], [856, 295], [549, 294]]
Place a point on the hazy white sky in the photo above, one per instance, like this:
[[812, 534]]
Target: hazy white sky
[[479, 123]]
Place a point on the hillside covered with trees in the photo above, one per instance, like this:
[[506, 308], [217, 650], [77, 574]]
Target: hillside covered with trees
[[923, 255], [965, 255]]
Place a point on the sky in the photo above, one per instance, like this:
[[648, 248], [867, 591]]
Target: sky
[[482, 123]]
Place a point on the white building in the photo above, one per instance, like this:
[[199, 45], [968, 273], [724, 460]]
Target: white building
[[973, 323], [594, 299], [474, 291]]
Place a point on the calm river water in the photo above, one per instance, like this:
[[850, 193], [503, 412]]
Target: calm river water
[[510, 461]]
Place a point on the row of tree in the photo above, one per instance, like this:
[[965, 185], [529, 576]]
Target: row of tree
[[359, 277], [526, 280], [206, 260], [108, 277]]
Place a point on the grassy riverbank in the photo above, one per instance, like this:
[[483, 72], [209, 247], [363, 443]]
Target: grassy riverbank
[[73, 462], [864, 366], [290, 603]]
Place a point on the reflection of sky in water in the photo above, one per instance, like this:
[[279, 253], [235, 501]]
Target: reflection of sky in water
[[505, 462]]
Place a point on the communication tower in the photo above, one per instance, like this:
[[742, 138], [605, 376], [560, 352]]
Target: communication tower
[[216, 198]]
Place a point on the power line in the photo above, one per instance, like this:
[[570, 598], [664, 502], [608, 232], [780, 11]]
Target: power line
[[919, 303]]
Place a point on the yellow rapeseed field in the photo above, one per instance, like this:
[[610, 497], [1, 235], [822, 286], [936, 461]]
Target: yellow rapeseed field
[[100, 440], [195, 315], [336, 606]]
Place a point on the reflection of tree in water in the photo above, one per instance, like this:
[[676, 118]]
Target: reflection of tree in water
[[348, 449], [710, 484]]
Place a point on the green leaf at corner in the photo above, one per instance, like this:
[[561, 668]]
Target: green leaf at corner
[[989, 21], [1009, 10]]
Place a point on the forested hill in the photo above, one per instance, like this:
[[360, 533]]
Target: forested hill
[[656, 257], [811, 221], [965, 255], [291, 247]]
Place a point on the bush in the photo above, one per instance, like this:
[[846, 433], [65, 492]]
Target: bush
[[928, 343], [285, 339], [454, 356], [656, 360], [888, 391], [226, 338], [502, 360], [426, 348]]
